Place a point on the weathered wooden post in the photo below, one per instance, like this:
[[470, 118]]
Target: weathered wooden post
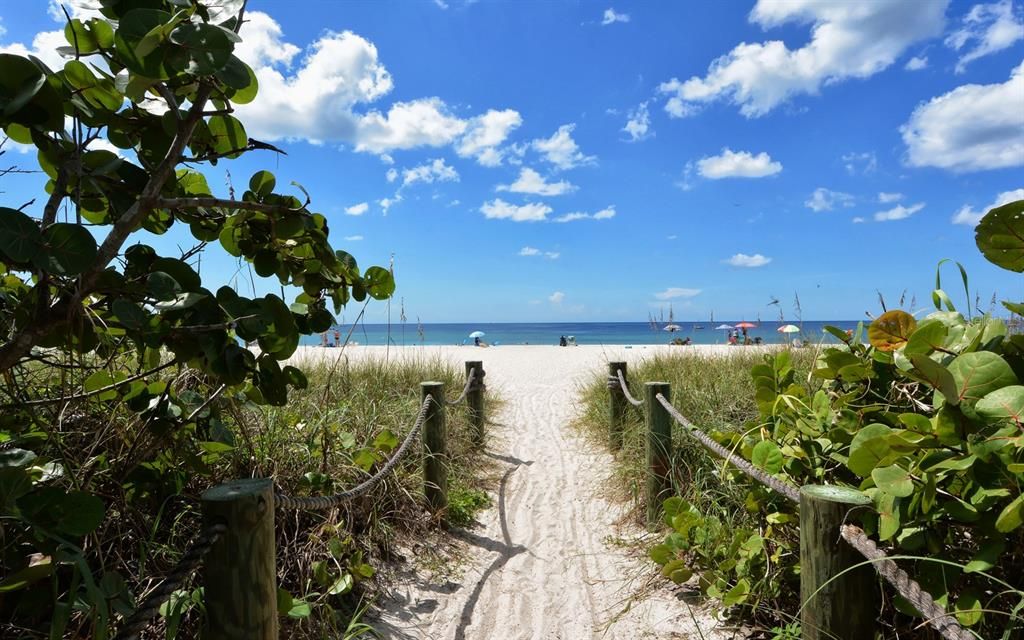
[[435, 448], [836, 605], [240, 574], [659, 448], [616, 405], [475, 400]]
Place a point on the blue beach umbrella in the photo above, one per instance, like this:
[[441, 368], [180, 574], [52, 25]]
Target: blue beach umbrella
[[477, 334]]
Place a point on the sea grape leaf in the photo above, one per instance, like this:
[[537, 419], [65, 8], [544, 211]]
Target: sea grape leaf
[[1011, 516], [937, 376], [868, 448], [767, 456], [20, 239], [893, 480], [1000, 236], [1006, 403], [977, 374], [891, 330]]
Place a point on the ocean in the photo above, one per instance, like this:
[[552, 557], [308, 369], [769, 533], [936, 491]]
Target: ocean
[[599, 333]]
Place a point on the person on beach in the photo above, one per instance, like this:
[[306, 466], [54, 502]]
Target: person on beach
[[337, 338], [323, 339], [476, 341], [562, 342]]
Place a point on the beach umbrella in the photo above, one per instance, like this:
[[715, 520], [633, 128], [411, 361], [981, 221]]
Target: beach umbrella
[[672, 327], [723, 327], [477, 334], [746, 325], [789, 328]]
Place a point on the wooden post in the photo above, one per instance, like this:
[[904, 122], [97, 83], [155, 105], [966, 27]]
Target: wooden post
[[659, 447], [475, 400], [435, 449], [616, 406], [846, 607], [240, 574]]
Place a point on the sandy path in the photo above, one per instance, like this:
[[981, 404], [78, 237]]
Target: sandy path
[[540, 564]]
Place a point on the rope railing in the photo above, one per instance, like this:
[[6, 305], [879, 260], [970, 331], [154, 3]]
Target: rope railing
[[775, 484], [320, 503], [470, 386], [934, 615], [946, 625], [618, 382], [146, 612]]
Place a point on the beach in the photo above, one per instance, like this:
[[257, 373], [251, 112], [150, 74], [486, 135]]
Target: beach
[[543, 562]]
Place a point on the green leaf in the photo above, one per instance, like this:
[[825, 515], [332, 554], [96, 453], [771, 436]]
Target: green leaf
[[20, 239], [937, 376], [888, 516], [1011, 516], [262, 183], [385, 440], [869, 446], [228, 135], [929, 336], [1000, 236], [977, 374], [25, 577], [968, 607], [70, 247], [33, 102], [891, 330], [74, 513], [677, 571], [342, 585], [16, 458], [209, 47], [78, 36], [1003, 404], [300, 609], [379, 282], [893, 480], [767, 456], [737, 594], [987, 556], [661, 554]]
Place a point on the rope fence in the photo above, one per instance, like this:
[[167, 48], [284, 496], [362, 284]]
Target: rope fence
[[837, 601], [242, 534]]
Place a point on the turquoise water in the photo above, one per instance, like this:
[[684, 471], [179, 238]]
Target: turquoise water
[[585, 333]]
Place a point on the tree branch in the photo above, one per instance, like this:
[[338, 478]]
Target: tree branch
[[195, 203], [94, 392]]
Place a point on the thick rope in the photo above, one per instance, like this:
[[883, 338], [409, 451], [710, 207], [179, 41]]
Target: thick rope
[[150, 607], [934, 615], [319, 503], [775, 484], [470, 379], [618, 382]]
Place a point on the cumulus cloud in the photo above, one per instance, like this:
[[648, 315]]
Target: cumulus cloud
[[743, 260], [673, 293], [484, 134], [392, 174], [357, 209], [971, 128], [916, 63], [737, 164], [967, 215], [638, 126], [858, 220], [498, 209], [848, 40], [611, 17], [430, 172], [531, 182], [986, 29], [533, 251], [557, 297], [604, 214], [387, 203], [862, 163], [899, 212], [552, 255], [529, 251], [886, 198], [561, 150], [825, 200], [353, 238]]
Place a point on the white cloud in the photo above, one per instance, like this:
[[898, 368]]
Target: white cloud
[[671, 237], [858, 220], [604, 214], [967, 215], [825, 200], [743, 260], [916, 63], [498, 209], [353, 238], [863, 163], [848, 40], [987, 28], [737, 164], [441, 4], [552, 255], [529, 181], [318, 96], [44, 46], [971, 128], [638, 126], [610, 17], [899, 212], [676, 292], [557, 297], [387, 203], [484, 135], [392, 174], [357, 209], [886, 198], [432, 171], [561, 150], [529, 251]]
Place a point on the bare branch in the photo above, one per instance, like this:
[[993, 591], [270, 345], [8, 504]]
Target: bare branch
[[195, 203]]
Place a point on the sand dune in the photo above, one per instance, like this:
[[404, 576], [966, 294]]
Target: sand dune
[[542, 564]]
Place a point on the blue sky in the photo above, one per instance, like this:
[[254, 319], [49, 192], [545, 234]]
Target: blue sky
[[545, 161]]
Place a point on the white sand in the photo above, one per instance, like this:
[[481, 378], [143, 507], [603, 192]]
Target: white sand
[[542, 563]]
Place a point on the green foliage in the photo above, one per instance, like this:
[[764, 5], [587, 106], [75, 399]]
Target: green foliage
[[464, 503]]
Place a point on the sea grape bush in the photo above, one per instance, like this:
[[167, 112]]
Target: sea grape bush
[[156, 81], [926, 417]]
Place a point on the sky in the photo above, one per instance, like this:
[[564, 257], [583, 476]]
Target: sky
[[593, 161]]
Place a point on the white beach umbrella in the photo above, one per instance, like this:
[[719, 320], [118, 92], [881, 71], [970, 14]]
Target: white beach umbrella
[[672, 327], [477, 334], [723, 327]]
